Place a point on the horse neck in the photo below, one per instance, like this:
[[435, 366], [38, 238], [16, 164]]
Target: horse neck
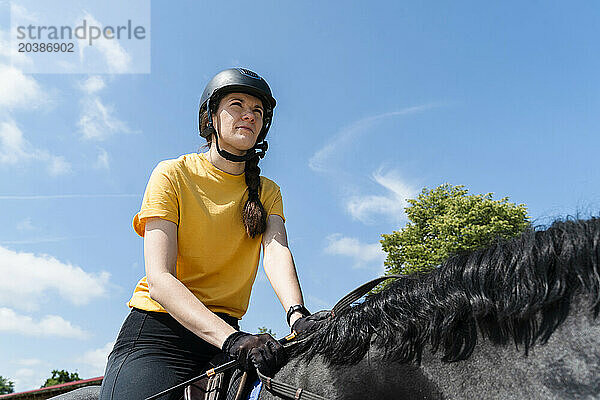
[[370, 379], [567, 366]]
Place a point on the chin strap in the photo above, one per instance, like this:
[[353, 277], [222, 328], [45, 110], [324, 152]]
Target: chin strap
[[258, 150]]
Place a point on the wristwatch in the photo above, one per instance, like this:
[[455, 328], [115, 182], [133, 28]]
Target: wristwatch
[[298, 307]]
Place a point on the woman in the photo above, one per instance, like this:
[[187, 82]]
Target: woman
[[203, 219]]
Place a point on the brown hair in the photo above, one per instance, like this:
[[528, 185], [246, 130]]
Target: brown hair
[[254, 216]]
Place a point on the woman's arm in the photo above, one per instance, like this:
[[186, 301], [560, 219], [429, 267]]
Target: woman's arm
[[160, 255], [279, 265]]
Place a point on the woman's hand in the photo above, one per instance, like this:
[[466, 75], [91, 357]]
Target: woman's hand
[[310, 322], [261, 351]]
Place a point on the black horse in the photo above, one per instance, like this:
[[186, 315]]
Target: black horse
[[516, 320]]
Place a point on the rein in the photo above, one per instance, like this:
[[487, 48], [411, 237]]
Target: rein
[[282, 388], [221, 368], [360, 291]]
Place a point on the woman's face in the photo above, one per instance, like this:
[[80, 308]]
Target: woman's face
[[238, 120]]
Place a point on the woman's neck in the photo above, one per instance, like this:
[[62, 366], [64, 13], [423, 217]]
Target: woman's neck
[[233, 168]]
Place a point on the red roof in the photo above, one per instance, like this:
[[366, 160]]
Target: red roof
[[99, 378]]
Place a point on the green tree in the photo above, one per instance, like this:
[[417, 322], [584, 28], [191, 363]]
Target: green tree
[[445, 221], [61, 376], [6, 386], [264, 329]]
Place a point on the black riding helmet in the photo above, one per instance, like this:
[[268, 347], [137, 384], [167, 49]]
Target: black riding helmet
[[242, 81]]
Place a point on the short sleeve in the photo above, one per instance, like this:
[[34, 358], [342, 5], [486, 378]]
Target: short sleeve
[[277, 205], [160, 199]]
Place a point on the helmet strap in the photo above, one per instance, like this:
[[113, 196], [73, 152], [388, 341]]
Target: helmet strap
[[258, 150]]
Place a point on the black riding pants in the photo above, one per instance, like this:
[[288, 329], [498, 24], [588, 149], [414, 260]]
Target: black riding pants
[[152, 353]]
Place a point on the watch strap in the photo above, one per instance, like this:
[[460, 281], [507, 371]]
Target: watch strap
[[299, 308]]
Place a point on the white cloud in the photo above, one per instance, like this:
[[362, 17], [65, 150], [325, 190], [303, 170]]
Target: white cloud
[[5, 48], [26, 225], [10, 54], [50, 325], [19, 90], [347, 136], [97, 358], [98, 122], [68, 196], [93, 84], [29, 362], [13, 146], [48, 239], [22, 14], [363, 254], [57, 165], [31, 373], [102, 162], [28, 379], [391, 205], [27, 278], [116, 57], [319, 303], [16, 150]]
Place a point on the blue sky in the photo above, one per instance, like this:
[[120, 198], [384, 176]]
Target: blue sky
[[374, 103]]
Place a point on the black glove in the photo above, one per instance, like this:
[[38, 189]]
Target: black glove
[[310, 322], [261, 351]]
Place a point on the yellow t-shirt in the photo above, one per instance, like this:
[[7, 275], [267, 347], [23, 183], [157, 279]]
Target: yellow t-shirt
[[216, 260]]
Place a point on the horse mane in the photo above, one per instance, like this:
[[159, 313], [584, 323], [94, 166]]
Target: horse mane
[[517, 290]]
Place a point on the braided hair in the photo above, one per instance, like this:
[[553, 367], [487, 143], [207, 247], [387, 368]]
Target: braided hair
[[254, 216]]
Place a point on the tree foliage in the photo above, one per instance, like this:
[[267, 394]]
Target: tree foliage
[[264, 329], [61, 376], [445, 221], [6, 386]]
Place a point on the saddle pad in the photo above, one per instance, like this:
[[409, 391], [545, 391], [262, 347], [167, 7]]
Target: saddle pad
[[256, 387]]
